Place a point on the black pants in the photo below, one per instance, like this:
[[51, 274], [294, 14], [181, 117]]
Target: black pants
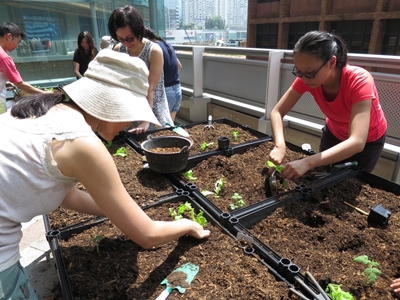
[[366, 159]]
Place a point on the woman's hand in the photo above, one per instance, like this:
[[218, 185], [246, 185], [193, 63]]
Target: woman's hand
[[142, 128], [277, 154], [295, 169], [197, 230], [396, 285]]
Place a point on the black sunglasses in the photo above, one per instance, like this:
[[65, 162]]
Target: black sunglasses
[[128, 40], [308, 75]]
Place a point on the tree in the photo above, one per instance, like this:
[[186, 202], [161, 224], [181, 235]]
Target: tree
[[215, 23], [190, 26]]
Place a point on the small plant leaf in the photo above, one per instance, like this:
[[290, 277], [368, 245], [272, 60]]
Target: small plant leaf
[[362, 259]]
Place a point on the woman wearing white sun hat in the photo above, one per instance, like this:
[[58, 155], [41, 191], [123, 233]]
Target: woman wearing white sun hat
[[49, 144]]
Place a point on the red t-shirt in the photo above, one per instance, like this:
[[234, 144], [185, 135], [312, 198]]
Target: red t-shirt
[[8, 68], [356, 85]]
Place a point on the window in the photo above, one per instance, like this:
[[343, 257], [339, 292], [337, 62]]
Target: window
[[391, 38], [297, 30], [356, 34], [267, 36]]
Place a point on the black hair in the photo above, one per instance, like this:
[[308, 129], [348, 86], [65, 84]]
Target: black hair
[[92, 48], [37, 105], [123, 16], [8, 27], [323, 45], [152, 35]]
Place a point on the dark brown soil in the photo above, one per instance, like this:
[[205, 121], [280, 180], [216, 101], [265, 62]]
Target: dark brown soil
[[320, 234]]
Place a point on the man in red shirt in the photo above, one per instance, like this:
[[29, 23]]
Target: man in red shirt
[[10, 36]]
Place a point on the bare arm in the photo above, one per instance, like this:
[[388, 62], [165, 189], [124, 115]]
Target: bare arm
[[27, 88], [358, 132], [285, 104], [179, 65], [76, 70], [88, 160], [156, 67]]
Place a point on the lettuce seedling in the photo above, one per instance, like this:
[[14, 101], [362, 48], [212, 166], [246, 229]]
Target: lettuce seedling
[[371, 273], [336, 293], [189, 175], [235, 135], [187, 208], [279, 169], [239, 202], [204, 145], [217, 188], [121, 152]]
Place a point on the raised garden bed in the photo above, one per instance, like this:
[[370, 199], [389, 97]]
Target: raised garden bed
[[289, 225]]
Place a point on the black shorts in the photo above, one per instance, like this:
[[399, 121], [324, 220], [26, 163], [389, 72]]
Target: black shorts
[[366, 159]]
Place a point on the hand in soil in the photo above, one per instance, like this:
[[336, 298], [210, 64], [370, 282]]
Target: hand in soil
[[396, 285], [197, 230]]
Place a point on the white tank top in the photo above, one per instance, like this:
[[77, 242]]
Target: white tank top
[[31, 183]]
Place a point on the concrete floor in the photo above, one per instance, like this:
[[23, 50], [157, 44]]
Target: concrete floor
[[37, 259]]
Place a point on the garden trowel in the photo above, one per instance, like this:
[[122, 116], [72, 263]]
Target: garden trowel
[[178, 130], [179, 279]]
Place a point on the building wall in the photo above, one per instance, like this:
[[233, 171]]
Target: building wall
[[356, 16]]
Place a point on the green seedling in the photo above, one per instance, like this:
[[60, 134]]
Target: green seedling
[[239, 202], [279, 169], [187, 209], [121, 152], [107, 144], [204, 145], [189, 175], [50, 89], [371, 273], [235, 135], [95, 241], [336, 293], [217, 188]]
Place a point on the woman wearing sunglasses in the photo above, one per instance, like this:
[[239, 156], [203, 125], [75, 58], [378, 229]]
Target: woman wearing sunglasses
[[126, 26], [355, 128]]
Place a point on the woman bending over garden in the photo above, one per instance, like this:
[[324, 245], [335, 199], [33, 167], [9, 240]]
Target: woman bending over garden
[[49, 144], [355, 128], [126, 26]]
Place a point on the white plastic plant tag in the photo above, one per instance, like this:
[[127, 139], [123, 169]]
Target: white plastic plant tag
[[244, 238], [306, 147]]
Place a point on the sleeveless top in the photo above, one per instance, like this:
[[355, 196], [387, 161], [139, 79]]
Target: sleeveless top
[[31, 183], [160, 103]]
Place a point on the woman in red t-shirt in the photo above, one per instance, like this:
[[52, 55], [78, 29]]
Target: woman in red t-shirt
[[355, 127]]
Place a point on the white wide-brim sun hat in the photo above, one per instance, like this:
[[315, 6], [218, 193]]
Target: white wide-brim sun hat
[[114, 88]]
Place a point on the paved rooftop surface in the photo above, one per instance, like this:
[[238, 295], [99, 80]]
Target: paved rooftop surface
[[37, 259]]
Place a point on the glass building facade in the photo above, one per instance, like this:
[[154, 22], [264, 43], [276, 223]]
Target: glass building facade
[[44, 56]]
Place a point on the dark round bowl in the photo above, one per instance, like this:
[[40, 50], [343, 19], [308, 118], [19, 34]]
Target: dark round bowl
[[167, 162]]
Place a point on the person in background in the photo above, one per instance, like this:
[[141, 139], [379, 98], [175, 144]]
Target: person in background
[[84, 54], [10, 37], [171, 69], [49, 144], [107, 42], [355, 127], [126, 26]]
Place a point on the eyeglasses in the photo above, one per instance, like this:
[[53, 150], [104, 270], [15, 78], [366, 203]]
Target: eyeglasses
[[18, 41], [308, 75], [128, 39]]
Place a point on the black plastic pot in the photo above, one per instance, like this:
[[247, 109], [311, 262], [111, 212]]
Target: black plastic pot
[[167, 162]]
